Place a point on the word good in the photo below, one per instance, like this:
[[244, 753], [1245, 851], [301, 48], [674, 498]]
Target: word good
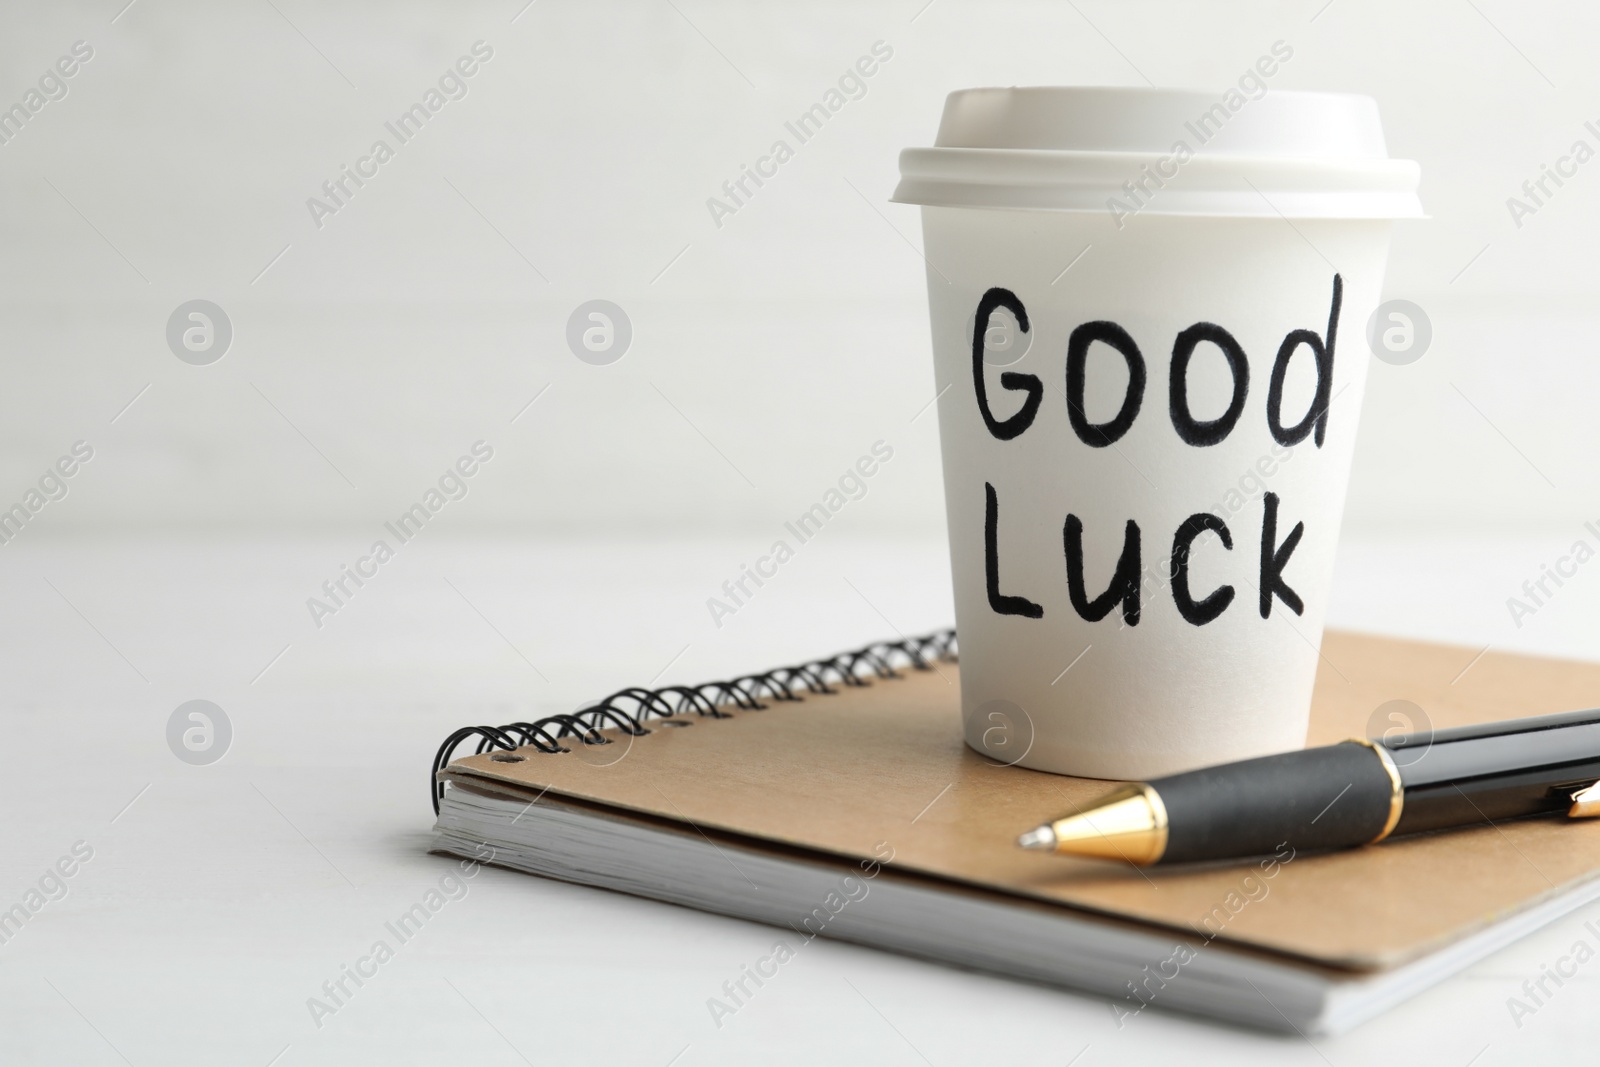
[[1124, 587]]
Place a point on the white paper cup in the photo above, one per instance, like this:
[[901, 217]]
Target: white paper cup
[[1249, 265]]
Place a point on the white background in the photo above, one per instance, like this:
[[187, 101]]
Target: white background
[[792, 337], [768, 354]]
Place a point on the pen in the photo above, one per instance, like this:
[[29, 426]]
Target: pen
[[1353, 793]]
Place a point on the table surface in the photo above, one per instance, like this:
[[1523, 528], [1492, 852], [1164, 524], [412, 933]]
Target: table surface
[[220, 898]]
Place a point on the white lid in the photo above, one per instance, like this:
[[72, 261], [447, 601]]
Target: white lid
[[1295, 154]]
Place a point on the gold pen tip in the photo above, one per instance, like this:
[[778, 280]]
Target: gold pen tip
[[1129, 824], [1039, 839]]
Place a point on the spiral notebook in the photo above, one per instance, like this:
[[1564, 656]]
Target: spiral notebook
[[835, 799]]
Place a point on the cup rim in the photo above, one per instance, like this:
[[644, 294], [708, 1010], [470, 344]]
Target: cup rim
[[1290, 153]]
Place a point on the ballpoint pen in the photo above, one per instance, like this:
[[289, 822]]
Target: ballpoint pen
[[1339, 796]]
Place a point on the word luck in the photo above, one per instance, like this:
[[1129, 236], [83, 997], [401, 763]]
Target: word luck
[[1123, 588]]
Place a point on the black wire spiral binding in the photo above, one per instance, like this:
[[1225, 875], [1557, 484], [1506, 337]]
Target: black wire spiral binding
[[628, 709]]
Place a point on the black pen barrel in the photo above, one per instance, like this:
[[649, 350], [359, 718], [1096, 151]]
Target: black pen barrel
[[1336, 796], [1340, 796], [1495, 771]]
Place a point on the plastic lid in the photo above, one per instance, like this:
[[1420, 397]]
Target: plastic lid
[[1162, 151]]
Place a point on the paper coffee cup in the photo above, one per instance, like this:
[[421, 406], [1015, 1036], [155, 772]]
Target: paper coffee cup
[[1147, 314]]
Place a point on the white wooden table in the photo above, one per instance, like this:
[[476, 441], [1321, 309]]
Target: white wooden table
[[220, 898]]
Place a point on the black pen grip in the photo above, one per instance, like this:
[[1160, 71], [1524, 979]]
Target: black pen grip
[[1317, 798]]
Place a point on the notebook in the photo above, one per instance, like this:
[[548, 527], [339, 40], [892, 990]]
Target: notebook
[[836, 799]]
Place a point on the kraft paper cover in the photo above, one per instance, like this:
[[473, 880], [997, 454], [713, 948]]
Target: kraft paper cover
[[839, 774]]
